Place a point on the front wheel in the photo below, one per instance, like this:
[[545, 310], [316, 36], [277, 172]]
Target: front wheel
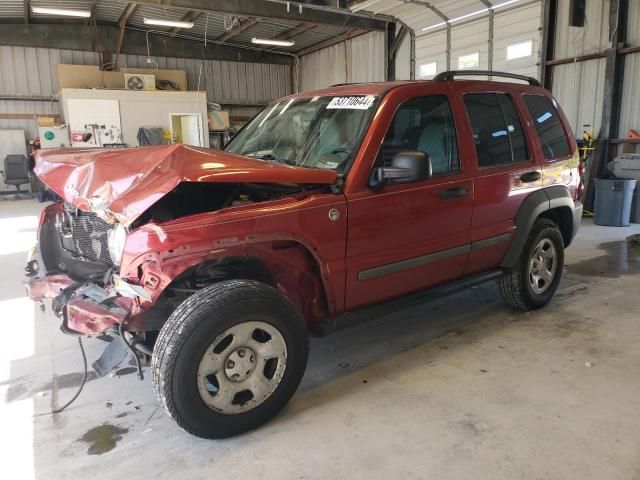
[[533, 281], [229, 358]]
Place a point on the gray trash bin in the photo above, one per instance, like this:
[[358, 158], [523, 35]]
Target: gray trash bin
[[635, 206], [612, 206]]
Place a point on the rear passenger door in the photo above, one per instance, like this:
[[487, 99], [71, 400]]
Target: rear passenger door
[[506, 172]]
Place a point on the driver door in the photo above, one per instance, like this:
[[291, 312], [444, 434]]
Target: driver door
[[407, 237]]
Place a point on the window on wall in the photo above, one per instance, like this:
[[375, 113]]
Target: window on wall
[[428, 69], [520, 50], [472, 60], [552, 135], [497, 131], [423, 124]]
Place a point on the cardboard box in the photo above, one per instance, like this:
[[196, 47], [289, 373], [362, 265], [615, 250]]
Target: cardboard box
[[47, 121], [218, 120], [629, 148]]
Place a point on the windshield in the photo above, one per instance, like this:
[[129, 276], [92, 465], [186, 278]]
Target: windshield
[[318, 132]]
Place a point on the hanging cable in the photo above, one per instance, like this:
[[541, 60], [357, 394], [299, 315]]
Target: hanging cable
[[84, 380], [131, 349]]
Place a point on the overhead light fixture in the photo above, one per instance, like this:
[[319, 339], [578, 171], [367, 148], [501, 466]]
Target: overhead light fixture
[[63, 12], [431, 27], [274, 42], [167, 23], [504, 4]]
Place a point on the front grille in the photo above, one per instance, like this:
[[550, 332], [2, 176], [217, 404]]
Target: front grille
[[90, 237]]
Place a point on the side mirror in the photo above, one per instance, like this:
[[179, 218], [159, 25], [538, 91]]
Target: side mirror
[[406, 167]]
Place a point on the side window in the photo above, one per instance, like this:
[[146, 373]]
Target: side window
[[423, 124], [545, 117], [497, 131]]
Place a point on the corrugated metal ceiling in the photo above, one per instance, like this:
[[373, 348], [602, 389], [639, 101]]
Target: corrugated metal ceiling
[[418, 15], [214, 24]]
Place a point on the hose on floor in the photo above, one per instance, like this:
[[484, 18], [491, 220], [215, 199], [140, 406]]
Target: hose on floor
[[84, 380]]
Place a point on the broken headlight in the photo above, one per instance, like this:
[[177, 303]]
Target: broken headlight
[[116, 240]]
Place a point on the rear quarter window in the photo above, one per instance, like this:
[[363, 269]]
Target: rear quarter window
[[497, 131], [553, 137]]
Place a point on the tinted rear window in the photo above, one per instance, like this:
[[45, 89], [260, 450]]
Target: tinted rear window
[[497, 132], [552, 135]]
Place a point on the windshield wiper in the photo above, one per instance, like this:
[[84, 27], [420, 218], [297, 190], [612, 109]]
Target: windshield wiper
[[272, 158]]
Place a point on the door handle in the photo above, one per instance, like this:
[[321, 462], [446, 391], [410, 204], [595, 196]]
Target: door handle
[[451, 193], [530, 176]]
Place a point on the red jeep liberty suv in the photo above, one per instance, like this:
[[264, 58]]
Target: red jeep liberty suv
[[326, 208]]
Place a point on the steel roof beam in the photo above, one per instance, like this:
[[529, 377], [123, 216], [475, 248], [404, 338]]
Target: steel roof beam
[[81, 37], [238, 29], [294, 32], [279, 9], [354, 32], [122, 23], [190, 16]]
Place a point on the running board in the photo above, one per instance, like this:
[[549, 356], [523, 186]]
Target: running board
[[356, 317]]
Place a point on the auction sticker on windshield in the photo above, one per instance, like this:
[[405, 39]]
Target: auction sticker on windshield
[[353, 103]]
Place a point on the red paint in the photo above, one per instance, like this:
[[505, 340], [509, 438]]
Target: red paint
[[313, 260]]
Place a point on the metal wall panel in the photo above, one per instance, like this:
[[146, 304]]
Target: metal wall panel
[[432, 48], [579, 86], [630, 115], [633, 26], [470, 38], [511, 25], [31, 72], [515, 26], [360, 59], [593, 37], [403, 59]]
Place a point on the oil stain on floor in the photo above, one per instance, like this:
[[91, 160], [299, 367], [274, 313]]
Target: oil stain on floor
[[103, 438]]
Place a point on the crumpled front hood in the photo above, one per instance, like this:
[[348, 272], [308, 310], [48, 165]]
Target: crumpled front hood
[[120, 184]]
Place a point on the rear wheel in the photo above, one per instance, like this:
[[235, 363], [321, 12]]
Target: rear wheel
[[535, 278], [229, 358]]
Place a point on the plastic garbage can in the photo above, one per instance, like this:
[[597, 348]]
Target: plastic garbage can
[[635, 206], [612, 206]]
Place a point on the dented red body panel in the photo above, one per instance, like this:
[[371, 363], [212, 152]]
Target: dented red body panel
[[119, 185]]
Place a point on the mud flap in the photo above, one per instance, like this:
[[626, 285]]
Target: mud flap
[[115, 353]]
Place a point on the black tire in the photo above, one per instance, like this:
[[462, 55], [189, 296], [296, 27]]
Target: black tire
[[514, 285], [190, 331]]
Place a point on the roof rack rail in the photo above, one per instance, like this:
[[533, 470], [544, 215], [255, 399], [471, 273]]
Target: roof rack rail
[[451, 74]]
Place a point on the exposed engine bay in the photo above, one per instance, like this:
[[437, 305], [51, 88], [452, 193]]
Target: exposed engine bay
[[190, 198]]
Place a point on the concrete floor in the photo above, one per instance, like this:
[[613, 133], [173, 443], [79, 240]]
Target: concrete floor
[[461, 388]]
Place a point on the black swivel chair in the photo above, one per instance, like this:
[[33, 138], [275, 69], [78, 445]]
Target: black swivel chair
[[16, 171]]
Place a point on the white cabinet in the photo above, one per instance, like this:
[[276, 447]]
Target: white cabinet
[[138, 109]]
